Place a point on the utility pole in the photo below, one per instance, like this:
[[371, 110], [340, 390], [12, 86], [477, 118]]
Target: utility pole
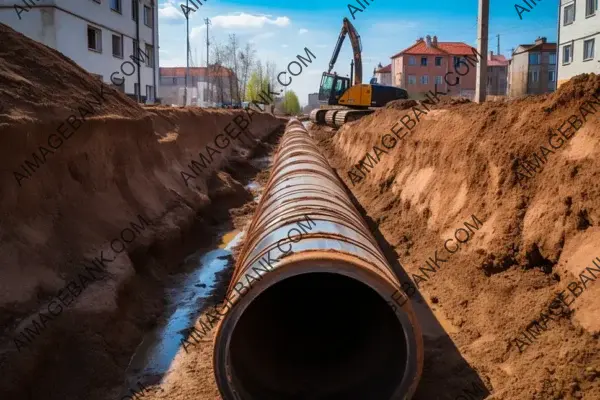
[[482, 48], [498, 48], [187, 52], [207, 22]]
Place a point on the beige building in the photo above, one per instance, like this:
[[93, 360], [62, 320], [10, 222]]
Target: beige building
[[384, 75], [578, 35], [533, 69]]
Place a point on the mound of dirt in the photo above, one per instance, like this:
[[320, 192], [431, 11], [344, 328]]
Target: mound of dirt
[[401, 104], [528, 171], [38, 83], [93, 211]]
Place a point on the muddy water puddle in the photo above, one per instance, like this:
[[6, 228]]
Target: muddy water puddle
[[185, 296]]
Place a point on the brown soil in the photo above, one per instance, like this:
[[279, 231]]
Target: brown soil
[[123, 161], [536, 238]]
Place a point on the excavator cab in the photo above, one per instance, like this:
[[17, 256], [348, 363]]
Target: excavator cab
[[332, 87]]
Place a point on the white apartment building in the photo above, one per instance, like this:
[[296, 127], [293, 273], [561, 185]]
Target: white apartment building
[[578, 38], [98, 35]]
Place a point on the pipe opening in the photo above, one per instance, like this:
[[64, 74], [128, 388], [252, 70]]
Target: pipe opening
[[318, 336]]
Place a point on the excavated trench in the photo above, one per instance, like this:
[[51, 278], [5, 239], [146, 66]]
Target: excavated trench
[[190, 292]]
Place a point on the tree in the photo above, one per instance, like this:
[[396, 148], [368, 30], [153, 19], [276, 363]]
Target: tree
[[272, 75], [291, 105], [246, 62], [255, 87]]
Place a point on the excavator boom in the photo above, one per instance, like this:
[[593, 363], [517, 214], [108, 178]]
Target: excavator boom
[[348, 29]]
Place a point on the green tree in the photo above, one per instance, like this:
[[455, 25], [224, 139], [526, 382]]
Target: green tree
[[291, 105], [255, 87]]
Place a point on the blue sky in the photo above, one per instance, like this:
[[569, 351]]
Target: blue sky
[[281, 30]]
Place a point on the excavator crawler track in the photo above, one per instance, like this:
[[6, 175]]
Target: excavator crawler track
[[317, 116], [344, 116], [330, 117]]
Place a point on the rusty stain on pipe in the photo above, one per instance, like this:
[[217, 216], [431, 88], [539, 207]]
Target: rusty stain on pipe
[[320, 323]]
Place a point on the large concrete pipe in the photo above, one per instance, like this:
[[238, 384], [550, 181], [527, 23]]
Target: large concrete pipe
[[316, 311]]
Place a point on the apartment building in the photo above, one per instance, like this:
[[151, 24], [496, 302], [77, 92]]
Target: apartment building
[[101, 36], [428, 64], [313, 100], [533, 68], [578, 35], [217, 88], [497, 74], [383, 74]]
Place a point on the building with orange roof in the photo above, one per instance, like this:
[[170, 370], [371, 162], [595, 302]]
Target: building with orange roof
[[383, 74], [205, 88], [497, 75], [429, 65]]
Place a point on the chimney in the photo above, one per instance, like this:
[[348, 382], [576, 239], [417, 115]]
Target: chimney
[[419, 39], [428, 40], [541, 40], [435, 42], [491, 55]]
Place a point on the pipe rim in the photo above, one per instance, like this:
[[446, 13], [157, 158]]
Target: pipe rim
[[341, 264]]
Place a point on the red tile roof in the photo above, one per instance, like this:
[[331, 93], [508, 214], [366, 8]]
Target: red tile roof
[[497, 61], [443, 48], [386, 69], [537, 47], [194, 71]]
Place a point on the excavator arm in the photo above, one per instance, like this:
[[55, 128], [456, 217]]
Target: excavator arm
[[348, 29]]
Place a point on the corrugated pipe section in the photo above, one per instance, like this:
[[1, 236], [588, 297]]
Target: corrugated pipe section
[[316, 307]]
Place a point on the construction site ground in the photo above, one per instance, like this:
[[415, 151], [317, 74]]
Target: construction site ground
[[535, 230]]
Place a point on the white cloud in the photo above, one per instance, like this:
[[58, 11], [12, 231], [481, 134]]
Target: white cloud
[[196, 32], [244, 20], [302, 31], [284, 45], [170, 13], [261, 37]]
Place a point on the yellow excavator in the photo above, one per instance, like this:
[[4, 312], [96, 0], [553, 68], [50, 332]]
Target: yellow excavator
[[340, 102]]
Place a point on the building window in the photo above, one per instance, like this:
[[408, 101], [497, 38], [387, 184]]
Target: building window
[[588, 50], [150, 55], [94, 39], [115, 5], [567, 54], [551, 76], [423, 61], [149, 93], [174, 81], [117, 46], [552, 60], [438, 80], [533, 76], [534, 58], [412, 80], [412, 60], [590, 7], [438, 61], [147, 16], [425, 79], [134, 10], [569, 14]]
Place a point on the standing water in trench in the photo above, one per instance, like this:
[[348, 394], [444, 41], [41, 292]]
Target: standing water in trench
[[185, 298]]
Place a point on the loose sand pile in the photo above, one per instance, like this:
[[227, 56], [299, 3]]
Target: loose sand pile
[[540, 229], [69, 189]]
